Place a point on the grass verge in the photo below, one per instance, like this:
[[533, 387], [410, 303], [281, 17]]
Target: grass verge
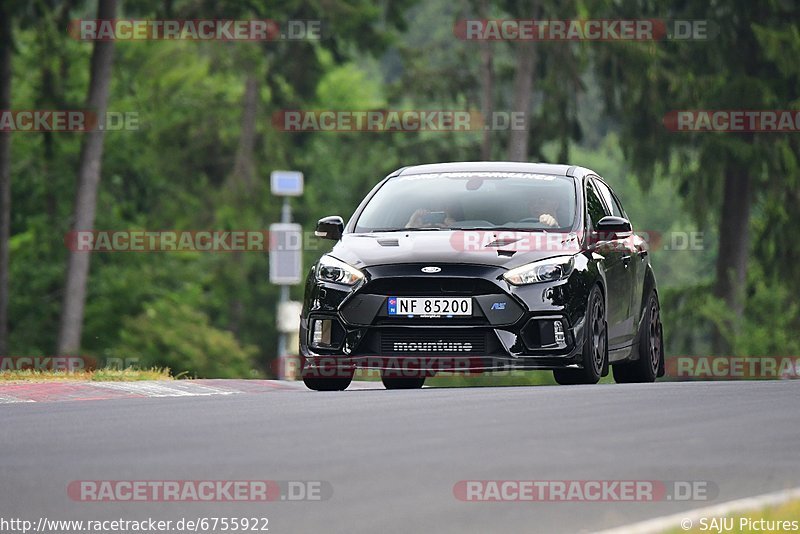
[[97, 375]]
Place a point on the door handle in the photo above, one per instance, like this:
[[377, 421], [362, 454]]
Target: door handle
[[626, 260], [642, 253]]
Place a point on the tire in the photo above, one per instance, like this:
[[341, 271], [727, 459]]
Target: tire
[[595, 346], [402, 382], [328, 383], [650, 363]]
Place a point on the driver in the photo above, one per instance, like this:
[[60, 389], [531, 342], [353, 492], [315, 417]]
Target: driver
[[544, 208], [425, 218], [431, 218]]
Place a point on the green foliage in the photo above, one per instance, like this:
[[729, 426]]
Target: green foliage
[[351, 87], [176, 335], [770, 328], [598, 105], [772, 318], [207, 314]]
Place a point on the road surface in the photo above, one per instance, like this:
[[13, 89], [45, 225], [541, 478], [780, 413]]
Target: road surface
[[392, 458]]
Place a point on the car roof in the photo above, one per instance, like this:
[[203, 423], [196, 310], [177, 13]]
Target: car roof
[[492, 166]]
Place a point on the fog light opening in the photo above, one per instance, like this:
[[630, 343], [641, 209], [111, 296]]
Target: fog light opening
[[560, 335], [546, 333], [321, 333]]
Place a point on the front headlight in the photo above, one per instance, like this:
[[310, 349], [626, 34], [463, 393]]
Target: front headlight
[[329, 269], [548, 270]]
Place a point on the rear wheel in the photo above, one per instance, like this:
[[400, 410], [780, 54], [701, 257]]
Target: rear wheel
[[402, 382], [595, 346], [651, 349]]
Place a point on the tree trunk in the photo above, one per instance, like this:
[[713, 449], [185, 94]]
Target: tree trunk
[[734, 245], [487, 85], [244, 166], [241, 185], [5, 173], [523, 89], [69, 336]]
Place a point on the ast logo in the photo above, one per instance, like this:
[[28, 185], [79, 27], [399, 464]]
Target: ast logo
[[431, 269]]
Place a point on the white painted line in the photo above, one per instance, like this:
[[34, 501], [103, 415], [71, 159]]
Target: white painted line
[[194, 388], [164, 389], [354, 385], [365, 384], [9, 399], [660, 524]]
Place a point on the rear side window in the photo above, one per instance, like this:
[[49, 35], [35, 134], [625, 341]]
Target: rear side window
[[594, 206], [611, 200]]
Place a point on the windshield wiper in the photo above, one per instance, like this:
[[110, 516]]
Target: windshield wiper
[[502, 228], [428, 229]]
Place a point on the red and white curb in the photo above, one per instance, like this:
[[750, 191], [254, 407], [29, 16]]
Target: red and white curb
[[72, 391], [691, 518]]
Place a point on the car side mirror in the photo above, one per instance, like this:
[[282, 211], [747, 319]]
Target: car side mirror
[[611, 227], [330, 228]]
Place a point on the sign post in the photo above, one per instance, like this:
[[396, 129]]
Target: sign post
[[286, 265]]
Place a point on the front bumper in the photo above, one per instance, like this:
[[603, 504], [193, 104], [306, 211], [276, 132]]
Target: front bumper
[[538, 326]]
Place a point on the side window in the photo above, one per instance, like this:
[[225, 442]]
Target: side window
[[611, 200], [594, 206]]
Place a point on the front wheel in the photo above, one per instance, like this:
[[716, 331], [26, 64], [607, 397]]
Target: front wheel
[[651, 349], [402, 382], [595, 346], [316, 380]]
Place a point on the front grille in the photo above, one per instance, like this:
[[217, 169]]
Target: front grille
[[437, 342], [429, 286], [459, 320]]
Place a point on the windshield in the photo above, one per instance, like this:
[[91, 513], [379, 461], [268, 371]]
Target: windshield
[[471, 200]]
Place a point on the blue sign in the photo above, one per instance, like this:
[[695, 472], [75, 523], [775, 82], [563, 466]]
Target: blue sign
[[286, 183]]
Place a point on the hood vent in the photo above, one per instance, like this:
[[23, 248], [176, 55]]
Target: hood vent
[[497, 243]]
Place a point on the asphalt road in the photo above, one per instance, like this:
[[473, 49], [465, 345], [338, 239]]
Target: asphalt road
[[392, 458]]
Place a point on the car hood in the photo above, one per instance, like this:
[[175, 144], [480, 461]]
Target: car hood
[[506, 249]]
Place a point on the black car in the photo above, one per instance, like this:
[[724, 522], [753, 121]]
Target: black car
[[482, 266]]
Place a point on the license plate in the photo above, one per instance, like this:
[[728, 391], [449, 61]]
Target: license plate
[[429, 306]]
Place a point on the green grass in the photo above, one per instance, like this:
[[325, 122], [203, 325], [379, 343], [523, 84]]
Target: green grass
[[789, 511], [97, 375]]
